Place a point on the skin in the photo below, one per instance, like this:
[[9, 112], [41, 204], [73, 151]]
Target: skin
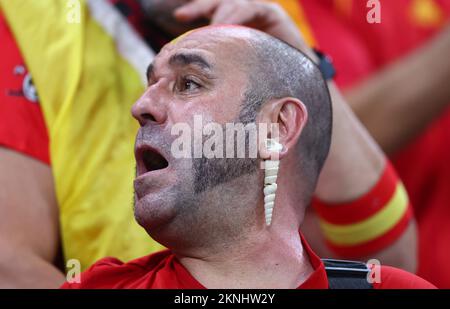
[[415, 83], [190, 91], [355, 158], [365, 163], [35, 266], [29, 236], [225, 233], [160, 12]]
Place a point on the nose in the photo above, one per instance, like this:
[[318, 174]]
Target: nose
[[149, 107]]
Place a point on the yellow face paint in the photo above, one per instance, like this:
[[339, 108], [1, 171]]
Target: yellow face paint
[[178, 38]]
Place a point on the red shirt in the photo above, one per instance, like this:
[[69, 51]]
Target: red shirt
[[22, 124], [162, 270], [360, 49]]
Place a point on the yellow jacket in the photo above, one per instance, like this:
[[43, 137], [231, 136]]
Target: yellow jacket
[[88, 67]]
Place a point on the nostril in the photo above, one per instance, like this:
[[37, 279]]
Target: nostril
[[149, 117]]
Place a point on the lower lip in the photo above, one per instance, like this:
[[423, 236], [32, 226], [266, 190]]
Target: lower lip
[[153, 173], [151, 182]]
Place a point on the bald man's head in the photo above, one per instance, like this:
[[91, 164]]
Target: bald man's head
[[277, 70], [224, 74]]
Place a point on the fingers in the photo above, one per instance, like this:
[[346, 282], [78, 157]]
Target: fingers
[[223, 12], [218, 11], [259, 14], [234, 12], [196, 9]]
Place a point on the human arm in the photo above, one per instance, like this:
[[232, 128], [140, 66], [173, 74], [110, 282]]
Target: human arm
[[398, 102], [355, 162], [29, 235]]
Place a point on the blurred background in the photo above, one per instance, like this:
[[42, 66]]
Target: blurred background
[[70, 71]]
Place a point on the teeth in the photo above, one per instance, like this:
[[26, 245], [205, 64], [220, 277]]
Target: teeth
[[270, 186]]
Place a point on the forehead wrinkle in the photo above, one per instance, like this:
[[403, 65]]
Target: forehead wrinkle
[[214, 46], [215, 39]]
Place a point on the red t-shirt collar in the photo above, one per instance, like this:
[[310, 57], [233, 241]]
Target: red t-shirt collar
[[317, 280]]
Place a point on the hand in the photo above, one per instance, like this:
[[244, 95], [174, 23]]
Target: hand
[[262, 15]]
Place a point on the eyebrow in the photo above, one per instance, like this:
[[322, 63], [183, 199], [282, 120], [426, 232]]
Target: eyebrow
[[182, 59]]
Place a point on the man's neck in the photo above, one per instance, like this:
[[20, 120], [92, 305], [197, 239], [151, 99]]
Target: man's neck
[[270, 259]]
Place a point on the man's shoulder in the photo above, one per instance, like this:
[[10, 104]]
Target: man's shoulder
[[112, 273], [394, 278]]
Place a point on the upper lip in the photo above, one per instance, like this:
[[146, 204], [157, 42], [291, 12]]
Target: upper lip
[[149, 158]]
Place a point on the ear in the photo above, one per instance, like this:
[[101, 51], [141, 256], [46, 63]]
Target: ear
[[288, 116]]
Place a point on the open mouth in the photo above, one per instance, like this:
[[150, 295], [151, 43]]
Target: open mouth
[[153, 160]]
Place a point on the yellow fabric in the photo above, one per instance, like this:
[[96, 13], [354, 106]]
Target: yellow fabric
[[295, 11], [371, 228], [86, 91], [426, 13]]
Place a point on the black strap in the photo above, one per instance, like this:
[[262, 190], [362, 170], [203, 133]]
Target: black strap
[[347, 274], [325, 65]]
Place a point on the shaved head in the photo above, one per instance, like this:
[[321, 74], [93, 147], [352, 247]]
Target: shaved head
[[277, 70], [226, 74], [280, 70]]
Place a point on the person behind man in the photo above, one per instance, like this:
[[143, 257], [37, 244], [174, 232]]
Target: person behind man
[[387, 70], [209, 211]]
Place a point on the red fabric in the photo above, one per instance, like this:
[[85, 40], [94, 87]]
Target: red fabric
[[359, 49], [364, 207], [22, 126], [162, 270], [394, 278], [377, 244], [425, 168], [131, 9]]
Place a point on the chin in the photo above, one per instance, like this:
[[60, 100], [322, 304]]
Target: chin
[[163, 220], [152, 212]]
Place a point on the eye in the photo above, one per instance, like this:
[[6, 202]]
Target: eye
[[187, 84]]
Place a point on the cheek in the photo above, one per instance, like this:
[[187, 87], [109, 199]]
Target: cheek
[[183, 111], [228, 104], [220, 110], [221, 106]]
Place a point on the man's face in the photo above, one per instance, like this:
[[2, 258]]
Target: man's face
[[160, 12], [200, 74]]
